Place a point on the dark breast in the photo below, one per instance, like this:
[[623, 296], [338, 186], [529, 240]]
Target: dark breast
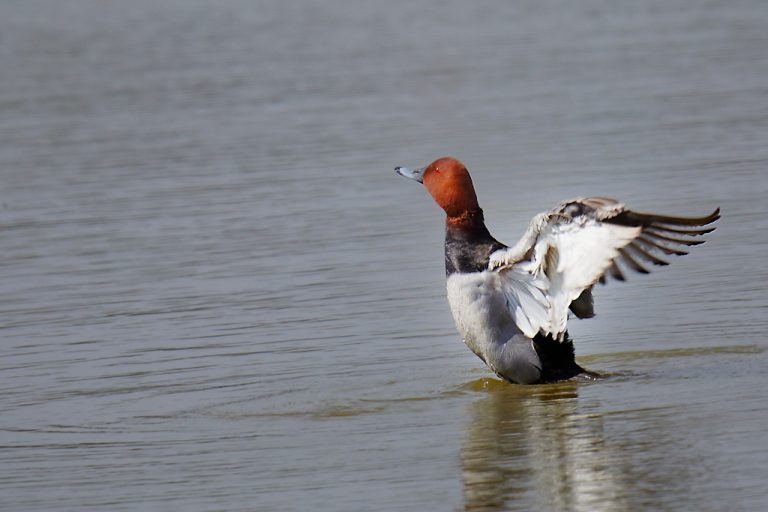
[[468, 250]]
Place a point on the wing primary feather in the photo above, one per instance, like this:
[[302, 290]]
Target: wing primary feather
[[642, 253], [630, 218], [679, 221], [689, 232], [616, 272], [662, 248], [650, 232], [634, 265]]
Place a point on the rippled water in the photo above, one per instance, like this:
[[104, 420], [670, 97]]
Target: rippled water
[[218, 296]]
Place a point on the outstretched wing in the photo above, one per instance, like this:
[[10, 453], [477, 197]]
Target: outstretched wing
[[567, 250]]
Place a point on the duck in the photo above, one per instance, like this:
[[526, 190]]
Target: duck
[[511, 304]]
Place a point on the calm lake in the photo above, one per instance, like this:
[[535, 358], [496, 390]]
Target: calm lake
[[218, 296]]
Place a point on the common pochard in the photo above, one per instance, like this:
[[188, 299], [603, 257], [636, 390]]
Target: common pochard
[[511, 304]]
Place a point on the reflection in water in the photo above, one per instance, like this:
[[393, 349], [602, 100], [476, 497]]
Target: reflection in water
[[531, 448]]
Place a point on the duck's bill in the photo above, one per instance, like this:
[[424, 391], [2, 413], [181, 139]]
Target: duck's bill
[[414, 174]]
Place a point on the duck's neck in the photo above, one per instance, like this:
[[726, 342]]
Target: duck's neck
[[468, 243]]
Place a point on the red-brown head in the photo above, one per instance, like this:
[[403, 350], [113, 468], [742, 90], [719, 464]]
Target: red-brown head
[[448, 181]]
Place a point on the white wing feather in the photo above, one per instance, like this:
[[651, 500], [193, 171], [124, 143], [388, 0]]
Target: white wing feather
[[526, 293], [573, 256]]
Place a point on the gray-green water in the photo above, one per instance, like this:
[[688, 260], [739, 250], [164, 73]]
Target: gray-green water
[[217, 295]]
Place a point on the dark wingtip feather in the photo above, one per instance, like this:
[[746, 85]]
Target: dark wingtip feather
[[659, 234], [647, 255], [652, 232], [687, 232], [683, 221], [616, 272], [633, 264], [663, 248]]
